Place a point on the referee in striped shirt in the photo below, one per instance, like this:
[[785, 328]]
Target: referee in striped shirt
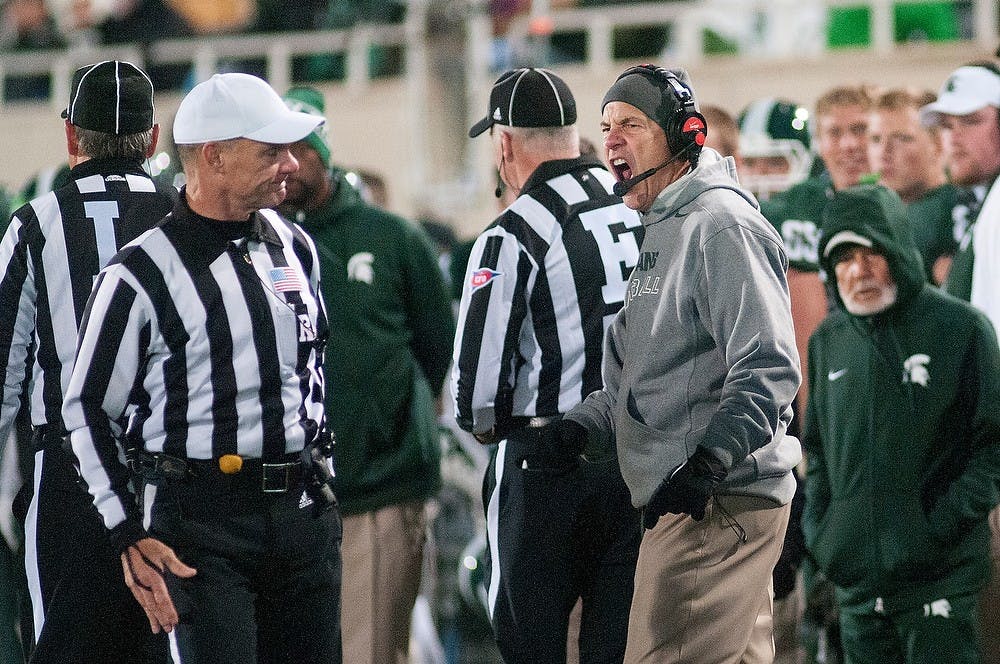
[[54, 247], [543, 283], [207, 333]]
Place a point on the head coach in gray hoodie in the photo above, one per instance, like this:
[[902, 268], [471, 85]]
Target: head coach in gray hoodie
[[700, 368]]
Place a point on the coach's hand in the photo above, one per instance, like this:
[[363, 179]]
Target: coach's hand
[[687, 490], [144, 564]]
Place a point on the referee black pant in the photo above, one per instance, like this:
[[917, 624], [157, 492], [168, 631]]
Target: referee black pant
[[267, 588], [82, 612], [554, 538]]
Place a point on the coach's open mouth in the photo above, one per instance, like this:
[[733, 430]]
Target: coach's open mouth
[[621, 169]]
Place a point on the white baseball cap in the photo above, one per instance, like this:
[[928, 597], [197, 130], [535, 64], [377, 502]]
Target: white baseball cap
[[845, 237], [239, 106], [967, 90]]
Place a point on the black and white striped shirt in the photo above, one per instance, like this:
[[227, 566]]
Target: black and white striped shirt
[[543, 284], [52, 251], [209, 336]]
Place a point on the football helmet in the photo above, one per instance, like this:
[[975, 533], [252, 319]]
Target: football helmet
[[774, 142]]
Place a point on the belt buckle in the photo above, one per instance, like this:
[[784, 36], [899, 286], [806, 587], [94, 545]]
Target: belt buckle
[[170, 467], [276, 477]]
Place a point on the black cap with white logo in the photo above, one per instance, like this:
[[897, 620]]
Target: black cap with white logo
[[111, 97], [528, 98]]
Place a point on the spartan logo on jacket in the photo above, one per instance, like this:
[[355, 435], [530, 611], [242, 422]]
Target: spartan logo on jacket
[[359, 267], [915, 369], [643, 284]]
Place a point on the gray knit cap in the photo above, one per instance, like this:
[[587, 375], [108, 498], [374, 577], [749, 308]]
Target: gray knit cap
[[650, 93]]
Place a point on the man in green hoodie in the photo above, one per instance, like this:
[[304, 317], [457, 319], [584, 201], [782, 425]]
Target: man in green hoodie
[[391, 331], [902, 437]]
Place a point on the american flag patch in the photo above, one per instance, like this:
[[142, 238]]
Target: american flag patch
[[285, 279]]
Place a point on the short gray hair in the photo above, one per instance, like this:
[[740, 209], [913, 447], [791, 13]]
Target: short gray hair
[[546, 139], [129, 147]]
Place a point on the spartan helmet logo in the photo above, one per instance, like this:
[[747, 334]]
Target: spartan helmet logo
[[915, 369]]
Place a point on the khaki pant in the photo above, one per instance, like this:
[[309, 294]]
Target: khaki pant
[[699, 591], [382, 552], [989, 599], [787, 618]]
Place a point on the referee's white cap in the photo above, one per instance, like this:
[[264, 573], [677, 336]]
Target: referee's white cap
[[237, 105]]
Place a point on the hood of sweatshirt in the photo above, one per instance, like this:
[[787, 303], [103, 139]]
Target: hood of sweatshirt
[[872, 214], [713, 172]]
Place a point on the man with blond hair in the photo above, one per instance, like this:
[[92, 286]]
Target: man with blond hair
[[841, 138], [909, 159]]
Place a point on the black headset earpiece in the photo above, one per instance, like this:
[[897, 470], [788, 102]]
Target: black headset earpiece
[[686, 129]]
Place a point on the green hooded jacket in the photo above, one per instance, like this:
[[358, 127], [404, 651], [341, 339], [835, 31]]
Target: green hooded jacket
[[902, 431], [932, 224], [391, 332]]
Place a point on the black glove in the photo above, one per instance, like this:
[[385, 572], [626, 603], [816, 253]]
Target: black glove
[[686, 491], [558, 447]]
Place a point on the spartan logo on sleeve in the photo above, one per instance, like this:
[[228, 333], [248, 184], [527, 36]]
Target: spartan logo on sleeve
[[915, 369], [359, 267], [801, 238]]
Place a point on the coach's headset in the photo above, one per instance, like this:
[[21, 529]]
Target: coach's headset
[[685, 128]]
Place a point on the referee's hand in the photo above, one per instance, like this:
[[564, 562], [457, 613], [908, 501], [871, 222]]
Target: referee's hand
[[144, 564]]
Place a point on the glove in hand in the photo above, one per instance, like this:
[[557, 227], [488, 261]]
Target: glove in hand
[[558, 447], [687, 490]]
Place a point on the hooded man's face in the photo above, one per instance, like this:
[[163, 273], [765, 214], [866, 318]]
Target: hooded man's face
[[864, 281]]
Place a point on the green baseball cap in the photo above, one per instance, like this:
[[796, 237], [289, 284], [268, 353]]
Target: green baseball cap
[[310, 100]]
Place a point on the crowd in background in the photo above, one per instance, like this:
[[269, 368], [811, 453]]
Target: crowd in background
[[27, 25]]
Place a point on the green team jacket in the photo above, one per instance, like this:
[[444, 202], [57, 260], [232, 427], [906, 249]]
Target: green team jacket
[[391, 332], [797, 214], [933, 225], [902, 438]]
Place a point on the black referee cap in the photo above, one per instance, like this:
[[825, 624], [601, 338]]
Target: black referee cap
[[112, 97], [528, 97]]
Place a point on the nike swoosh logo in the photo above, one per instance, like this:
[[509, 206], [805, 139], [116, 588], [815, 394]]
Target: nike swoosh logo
[[834, 375]]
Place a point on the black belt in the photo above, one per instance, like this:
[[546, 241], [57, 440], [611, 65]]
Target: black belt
[[47, 437], [273, 476]]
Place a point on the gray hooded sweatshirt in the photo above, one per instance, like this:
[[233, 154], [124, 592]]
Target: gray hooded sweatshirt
[[703, 353]]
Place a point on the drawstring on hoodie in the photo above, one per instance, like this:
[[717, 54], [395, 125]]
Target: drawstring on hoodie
[[741, 533]]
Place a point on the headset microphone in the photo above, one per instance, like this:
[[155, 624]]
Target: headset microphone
[[498, 192], [624, 186]]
